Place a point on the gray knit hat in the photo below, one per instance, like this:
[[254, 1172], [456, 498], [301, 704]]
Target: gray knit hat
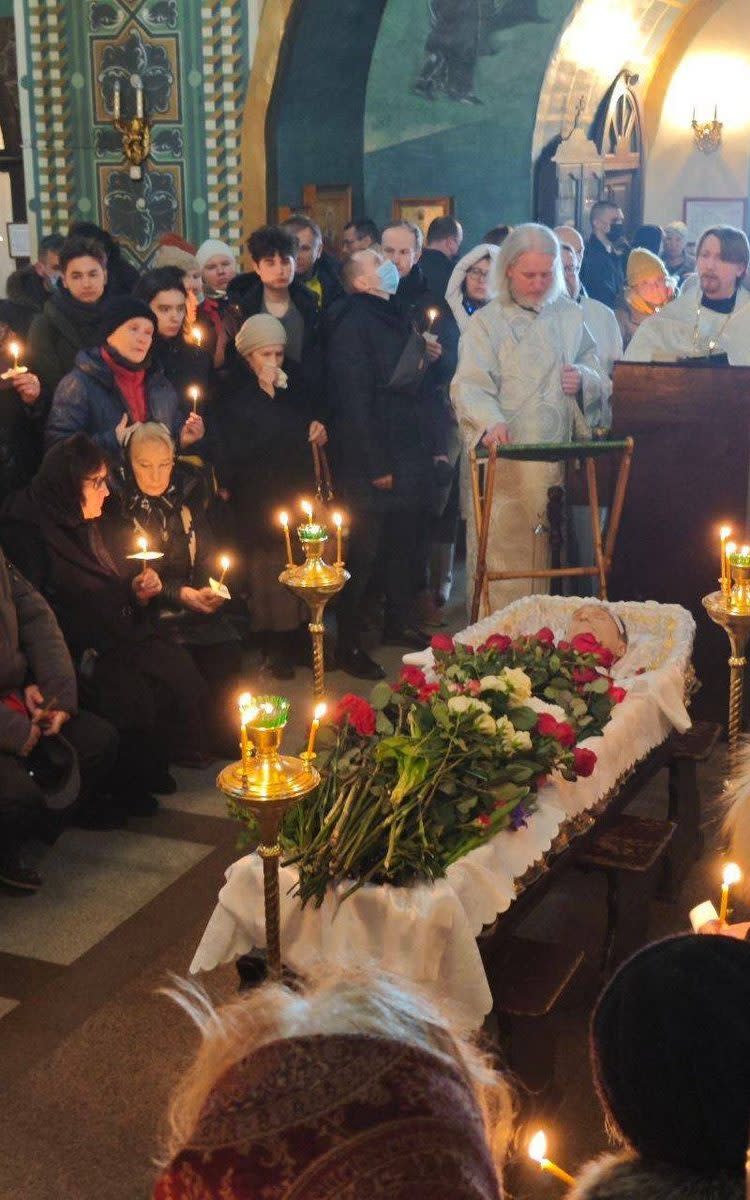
[[260, 330]]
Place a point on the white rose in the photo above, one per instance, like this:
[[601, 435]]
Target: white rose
[[492, 683], [459, 704], [542, 706], [521, 740], [485, 723], [517, 683]]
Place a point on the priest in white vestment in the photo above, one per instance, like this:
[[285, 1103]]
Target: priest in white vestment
[[709, 321], [527, 372]]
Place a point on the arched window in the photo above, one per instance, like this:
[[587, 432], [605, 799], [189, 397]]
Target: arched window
[[618, 137]]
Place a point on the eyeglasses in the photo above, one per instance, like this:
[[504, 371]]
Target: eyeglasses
[[478, 273], [98, 482]]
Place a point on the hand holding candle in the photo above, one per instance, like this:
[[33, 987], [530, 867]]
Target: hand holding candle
[[218, 587], [195, 394], [731, 875], [538, 1151], [432, 315], [15, 350]]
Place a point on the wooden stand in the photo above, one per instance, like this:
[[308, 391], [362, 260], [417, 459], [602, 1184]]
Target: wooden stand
[[692, 426], [483, 470]]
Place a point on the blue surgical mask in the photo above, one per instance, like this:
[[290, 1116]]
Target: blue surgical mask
[[389, 277]]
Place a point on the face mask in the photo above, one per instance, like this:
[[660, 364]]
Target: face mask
[[389, 277], [616, 231]]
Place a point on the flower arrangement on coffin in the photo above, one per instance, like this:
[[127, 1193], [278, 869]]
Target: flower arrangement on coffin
[[427, 771]]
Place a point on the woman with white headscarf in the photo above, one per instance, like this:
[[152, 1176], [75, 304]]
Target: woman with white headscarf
[[527, 372]]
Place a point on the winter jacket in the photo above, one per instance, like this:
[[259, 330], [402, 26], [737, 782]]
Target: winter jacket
[[88, 401], [28, 291], [326, 275], [602, 273], [375, 430], [32, 650], [626, 1177], [63, 327], [21, 430], [437, 269]]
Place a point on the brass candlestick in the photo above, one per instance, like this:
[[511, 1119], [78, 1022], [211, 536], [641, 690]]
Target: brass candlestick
[[734, 616], [267, 783], [315, 582]]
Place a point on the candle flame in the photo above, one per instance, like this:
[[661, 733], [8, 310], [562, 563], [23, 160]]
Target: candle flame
[[142, 545], [197, 334], [320, 711], [284, 518], [731, 875], [194, 393], [538, 1146], [724, 532], [15, 349], [337, 520], [307, 509], [225, 562], [433, 313]]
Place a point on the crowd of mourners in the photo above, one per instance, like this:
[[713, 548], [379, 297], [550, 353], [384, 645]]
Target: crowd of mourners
[[180, 408]]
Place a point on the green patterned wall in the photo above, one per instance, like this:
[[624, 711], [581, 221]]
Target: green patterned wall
[[192, 58]]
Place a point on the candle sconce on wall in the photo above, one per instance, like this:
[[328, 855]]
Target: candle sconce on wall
[[707, 134], [136, 131]]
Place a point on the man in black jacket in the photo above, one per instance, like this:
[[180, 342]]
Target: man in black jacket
[[29, 288], [376, 366], [38, 699], [314, 267], [442, 244], [603, 267]]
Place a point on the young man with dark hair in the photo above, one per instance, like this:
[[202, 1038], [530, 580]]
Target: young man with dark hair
[[442, 244], [30, 287], [359, 234], [314, 267], [69, 321], [603, 267]]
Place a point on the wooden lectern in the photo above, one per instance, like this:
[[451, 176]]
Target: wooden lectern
[[690, 475]]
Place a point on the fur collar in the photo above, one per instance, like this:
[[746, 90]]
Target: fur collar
[[626, 1177]]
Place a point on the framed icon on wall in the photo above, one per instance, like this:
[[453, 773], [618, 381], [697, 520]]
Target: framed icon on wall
[[421, 210]]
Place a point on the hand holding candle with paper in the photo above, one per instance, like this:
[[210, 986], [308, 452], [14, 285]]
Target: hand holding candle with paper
[[16, 369], [218, 587]]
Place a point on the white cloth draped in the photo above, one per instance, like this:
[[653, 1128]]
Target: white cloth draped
[[427, 933]]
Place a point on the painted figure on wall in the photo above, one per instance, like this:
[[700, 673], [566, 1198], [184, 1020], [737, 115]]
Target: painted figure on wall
[[460, 30]]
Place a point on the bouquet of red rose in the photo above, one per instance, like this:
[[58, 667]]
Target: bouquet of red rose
[[427, 771]]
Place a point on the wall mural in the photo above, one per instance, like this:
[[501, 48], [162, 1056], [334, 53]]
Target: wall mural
[[192, 61]]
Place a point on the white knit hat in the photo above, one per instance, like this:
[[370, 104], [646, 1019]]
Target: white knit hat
[[211, 247], [260, 330]]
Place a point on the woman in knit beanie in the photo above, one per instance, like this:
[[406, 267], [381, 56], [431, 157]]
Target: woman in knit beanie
[[670, 1052], [174, 251], [649, 288], [218, 318]]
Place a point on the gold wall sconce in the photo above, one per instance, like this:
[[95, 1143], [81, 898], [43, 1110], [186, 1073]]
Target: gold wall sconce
[[136, 131], [707, 134]]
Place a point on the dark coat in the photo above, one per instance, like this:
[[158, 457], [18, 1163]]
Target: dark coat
[[327, 271], [32, 650], [62, 329], [183, 364], [21, 430], [266, 460], [626, 1177], [89, 401], [602, 273], [375, 430], [29, 292], [437, 269]]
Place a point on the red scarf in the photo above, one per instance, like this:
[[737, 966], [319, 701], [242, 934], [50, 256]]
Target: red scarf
[[210, 308], [132, 385]]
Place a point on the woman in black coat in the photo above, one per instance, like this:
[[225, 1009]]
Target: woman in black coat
[[147, 686], [264, 429], [166, 502]]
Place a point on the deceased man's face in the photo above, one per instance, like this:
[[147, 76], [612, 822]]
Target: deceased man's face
[[596, 619]]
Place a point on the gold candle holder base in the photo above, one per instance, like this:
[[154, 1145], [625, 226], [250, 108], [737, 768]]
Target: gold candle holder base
[[267, 783], [315, 582], [734, 618]]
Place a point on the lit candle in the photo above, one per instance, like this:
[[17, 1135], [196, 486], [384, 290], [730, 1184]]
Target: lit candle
[[143, 546], [116, 104], [307, 509], [225, 563], [247, 712], [284, 518], [433, 314], [195, 394], [338, 521], [318, 714], [538, 1151], [15, 350], [196, 334], [731, 875], [724, 533]]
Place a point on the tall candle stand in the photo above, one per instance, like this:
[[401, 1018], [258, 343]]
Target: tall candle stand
[[315, 582], [267, 784], [730, 608]]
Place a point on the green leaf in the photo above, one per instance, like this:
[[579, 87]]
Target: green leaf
[[598, 686], [524, 719], [506, 793], [382, 724], [380, 695]]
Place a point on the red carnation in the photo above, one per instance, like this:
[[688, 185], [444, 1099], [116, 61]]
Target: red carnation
[[496, 641], [585, 674], [586, 643], [561, 731], [483, 819], [357, 711], [563, 645], [413, 677], [428, 690], [442, 642], [616, 694], [546, 636], [584, 761], [473, 687]]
